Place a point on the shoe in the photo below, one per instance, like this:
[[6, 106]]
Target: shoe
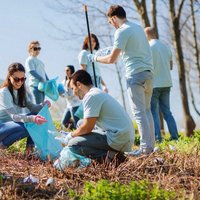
[[139, 152]]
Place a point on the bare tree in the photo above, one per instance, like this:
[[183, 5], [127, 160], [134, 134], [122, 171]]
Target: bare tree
[[175, 18]]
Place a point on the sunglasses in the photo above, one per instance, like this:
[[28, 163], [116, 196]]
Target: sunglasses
[[36, 48], [17, 80]]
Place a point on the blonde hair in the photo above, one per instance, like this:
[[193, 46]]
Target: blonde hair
[[30, 46]]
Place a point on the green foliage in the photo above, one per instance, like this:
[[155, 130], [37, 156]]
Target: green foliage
[[19, 146], [188, 145], [1, 179], [137, 140], [105, 190], [58, 125], [197, 135]]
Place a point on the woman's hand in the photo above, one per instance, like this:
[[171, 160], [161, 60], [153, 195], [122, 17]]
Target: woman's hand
[[38, 119], [46, 102]]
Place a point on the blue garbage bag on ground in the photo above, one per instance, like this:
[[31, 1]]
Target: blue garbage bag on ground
[[46, 144], [69, 159]]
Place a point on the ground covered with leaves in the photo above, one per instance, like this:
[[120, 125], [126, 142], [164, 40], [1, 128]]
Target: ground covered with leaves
[[175, 167]]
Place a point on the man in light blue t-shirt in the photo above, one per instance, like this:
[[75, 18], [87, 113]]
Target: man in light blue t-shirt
[[130, 41], [162, 61], [115, 132]]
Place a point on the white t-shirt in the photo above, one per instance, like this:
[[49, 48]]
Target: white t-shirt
[[136, 53], [161, 61], [111, 117], [72, 101]]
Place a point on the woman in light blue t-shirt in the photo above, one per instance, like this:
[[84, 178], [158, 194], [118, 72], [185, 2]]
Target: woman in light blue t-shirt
[[86, 65], [13, 102], [36, 71]]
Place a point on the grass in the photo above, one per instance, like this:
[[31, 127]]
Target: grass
[[174, 170]]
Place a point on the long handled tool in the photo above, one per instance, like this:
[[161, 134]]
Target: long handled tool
[[90, 43]]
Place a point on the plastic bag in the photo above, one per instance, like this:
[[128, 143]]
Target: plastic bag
[[50, 89], [79, 112], [61, 89], [104, 52], [46, 144], [69, 159]]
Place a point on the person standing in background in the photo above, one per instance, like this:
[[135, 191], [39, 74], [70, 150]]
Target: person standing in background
[[162, 83], [72, 101], [86, 65], [36, 71]]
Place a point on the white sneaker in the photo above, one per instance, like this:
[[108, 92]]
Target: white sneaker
[[139, 152]]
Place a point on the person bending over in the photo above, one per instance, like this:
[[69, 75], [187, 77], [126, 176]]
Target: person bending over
[[13, 100], [115, 133]]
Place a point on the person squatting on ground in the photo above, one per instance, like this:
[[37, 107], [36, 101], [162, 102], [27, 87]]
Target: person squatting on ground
[[86, 65], [13, 100], [162, 83], [72, 101], [36, 71], [115, 133], [131, 42]]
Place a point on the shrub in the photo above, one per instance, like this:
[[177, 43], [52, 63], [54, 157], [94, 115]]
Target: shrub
[[105, 190], [19, 146]]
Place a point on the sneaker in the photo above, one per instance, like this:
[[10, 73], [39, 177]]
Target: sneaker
[[139, 152]]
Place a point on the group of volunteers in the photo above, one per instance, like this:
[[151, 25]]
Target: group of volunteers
[[106, 130]]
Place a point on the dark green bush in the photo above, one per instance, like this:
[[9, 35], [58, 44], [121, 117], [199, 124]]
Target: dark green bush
[[105, 190]]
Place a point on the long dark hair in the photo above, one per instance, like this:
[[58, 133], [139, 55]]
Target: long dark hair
[[21, 92], [86, 40], [72, 70]]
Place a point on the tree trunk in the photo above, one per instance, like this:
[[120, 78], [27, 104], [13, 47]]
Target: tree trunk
[[142, 10], [189, 122], [154, 17], [194, 33]]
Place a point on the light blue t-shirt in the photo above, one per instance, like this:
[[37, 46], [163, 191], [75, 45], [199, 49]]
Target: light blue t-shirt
[[83, 60], [8, 108], [136, 53], [111, 117], [161, 61], [34, 64]]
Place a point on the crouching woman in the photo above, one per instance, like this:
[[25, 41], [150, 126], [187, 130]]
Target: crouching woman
[[13, 100]]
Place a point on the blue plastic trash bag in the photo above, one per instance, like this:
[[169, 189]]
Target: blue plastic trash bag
[[69, 159], [49, 88], [46, 144], [79, 112], [61, 89]]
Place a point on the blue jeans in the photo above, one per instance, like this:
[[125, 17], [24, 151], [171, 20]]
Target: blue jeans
[[160, 99], [68, 114], [93, 145], [139, 93], [38, 96], [11, 132]]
